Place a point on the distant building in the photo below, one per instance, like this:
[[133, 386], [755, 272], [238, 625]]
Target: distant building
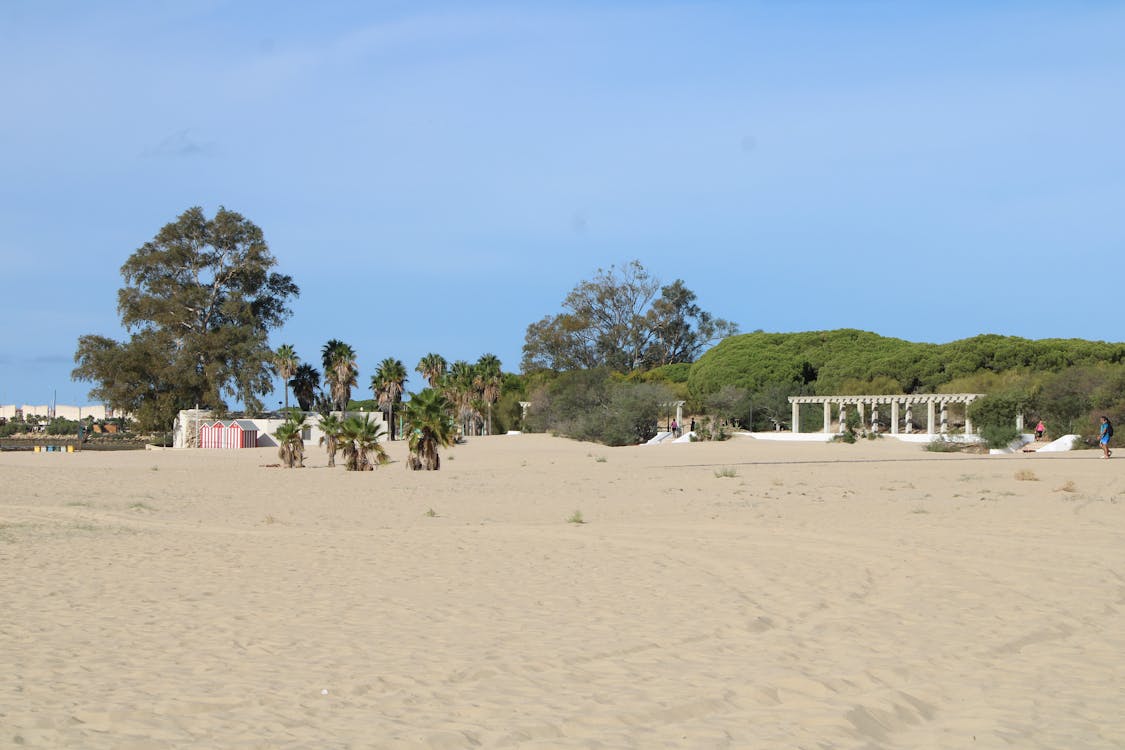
[[65, 411]]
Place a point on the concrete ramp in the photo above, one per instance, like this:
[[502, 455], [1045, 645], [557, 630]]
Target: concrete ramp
[[1065, 443], [660, 437], [1017, 445]]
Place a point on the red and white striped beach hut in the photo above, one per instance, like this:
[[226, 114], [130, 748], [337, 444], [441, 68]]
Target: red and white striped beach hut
[[241, 433], [211, 435]]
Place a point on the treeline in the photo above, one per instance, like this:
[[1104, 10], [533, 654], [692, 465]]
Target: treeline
[[1066, 382], [746, 380], [847, 360]]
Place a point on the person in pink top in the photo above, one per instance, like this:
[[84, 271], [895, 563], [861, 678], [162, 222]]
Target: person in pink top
[[1039, 430]]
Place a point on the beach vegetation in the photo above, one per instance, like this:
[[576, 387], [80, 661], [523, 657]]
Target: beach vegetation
[[306, 385], [388, 384], [1026, 475], [623, 319], [432, 367], [726, 472], [459, 389], [429, 426], [290, 443], [359, 441], [599, 406], [487, 380], [999, 436], [286, 361], [340, 372], [576, 518], [712, 428], [333, 428], [62, 426], [198, 303], [1063, 381], [941, 445]]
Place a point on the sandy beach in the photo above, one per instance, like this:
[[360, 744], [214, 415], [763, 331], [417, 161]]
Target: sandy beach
[[736, 595]]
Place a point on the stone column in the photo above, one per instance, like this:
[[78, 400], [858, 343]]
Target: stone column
[[843, 418], [909, 418], [1019, 422], [796, 417], [968, 422], [875, 417], [859, 411], [828, 416], [944, 417], [680, 414], [929, 416], [894, 416]]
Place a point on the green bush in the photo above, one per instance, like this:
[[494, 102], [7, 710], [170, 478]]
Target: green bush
[[999, 436], [61, 426], [712, 429], [827, 361], [594, 405], [939, 445]]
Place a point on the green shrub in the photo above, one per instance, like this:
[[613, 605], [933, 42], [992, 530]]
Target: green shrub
[[594, 405], [61, 426], [999, 436], [940, 445]]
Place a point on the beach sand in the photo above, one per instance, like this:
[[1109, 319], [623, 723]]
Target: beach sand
[[824, 596]]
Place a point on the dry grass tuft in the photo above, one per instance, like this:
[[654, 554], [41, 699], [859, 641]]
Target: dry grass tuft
[[1067, 486], [1026, 475]]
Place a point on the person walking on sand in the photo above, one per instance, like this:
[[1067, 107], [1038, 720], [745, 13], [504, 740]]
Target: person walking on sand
[[1104, 436], [1039, 430]]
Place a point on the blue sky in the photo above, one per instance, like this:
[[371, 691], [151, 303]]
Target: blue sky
[[435, 176]]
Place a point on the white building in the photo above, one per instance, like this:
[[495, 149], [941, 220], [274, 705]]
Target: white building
[[65, 411], [185, 430]]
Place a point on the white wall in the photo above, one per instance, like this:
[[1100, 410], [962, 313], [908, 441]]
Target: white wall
[[184, 427], [66, 411]]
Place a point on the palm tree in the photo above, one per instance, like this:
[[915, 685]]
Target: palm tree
[[332, 427], [340, 371], [304, 384], [290, 443], [361, 443], [461, 391], [432, 368], [387, 384], [285, 359], [489, 377], [427, 422]]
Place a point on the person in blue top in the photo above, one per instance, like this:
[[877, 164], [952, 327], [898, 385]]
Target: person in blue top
[[1104, 436]]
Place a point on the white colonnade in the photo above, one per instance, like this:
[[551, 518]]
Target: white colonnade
[[899, 404]]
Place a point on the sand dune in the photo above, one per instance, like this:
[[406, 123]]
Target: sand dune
[[825, 596]]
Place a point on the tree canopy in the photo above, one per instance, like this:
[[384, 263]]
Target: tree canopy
[[623, 319], [829, 362], [199, 301]]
